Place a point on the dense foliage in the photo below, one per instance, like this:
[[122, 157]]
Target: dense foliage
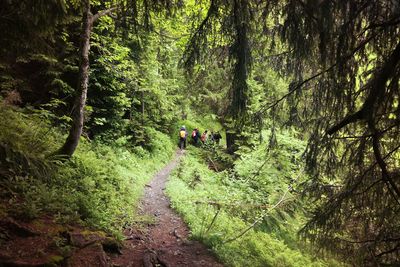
[[249, 213], [274, 75], [351, 51], [99, 187]]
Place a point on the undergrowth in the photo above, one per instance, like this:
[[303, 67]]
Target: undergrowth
[[220, 207], [99, 187]]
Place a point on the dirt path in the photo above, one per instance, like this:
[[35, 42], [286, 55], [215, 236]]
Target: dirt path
[[164, 243]]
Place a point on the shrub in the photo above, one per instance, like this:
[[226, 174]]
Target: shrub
[[197, 193], [100, 186]]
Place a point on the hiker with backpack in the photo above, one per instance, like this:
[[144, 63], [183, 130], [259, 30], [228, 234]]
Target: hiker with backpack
[[204, 137], [182, 137], [217, 137], [198, 134], [195, 136]]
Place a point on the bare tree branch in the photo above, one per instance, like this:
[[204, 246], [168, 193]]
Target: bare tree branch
[[103, 13]]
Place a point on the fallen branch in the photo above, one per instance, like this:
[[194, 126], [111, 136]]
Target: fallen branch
[[242, 233], [264, 215], [222, 204], [214, 219], [213, 163]]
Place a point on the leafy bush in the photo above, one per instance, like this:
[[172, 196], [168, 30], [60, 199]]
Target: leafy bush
[[26, 143], [218, 206], [100, 186]]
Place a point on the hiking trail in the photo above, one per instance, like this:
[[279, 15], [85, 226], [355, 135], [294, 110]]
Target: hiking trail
[[164, 242]]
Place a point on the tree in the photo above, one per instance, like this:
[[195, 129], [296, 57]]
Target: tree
[[232, 19], [87, 23], [80, 101], [350, 51], [29, 60]]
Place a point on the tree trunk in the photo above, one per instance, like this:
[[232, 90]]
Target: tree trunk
[[75, 132], [230, 142], [239, 88], [143, 110]]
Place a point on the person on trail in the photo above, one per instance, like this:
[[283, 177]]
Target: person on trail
[[211, 137], [204, 137], [195, 136], [198, 135], [182, 137], [217, 137]]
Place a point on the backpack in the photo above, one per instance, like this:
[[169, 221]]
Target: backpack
[[182, 133], [203, 137]]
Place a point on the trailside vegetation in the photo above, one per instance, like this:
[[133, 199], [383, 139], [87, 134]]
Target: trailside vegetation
[[346, 59], [251, 212], [100, 187], [305, 94]]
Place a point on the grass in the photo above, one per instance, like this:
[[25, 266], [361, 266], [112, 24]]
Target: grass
[[219, 205], [99, 187]]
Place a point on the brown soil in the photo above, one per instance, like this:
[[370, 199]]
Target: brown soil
[[164, 243], [44, 242]]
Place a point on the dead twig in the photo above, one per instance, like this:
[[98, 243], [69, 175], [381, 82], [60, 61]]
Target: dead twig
[[214, 219], [264, 215]]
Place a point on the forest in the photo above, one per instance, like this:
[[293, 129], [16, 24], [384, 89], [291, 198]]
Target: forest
[[94, 95]]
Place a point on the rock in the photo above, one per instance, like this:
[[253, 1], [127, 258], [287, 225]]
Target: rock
[[17, 228], [52, 260], [111, 245], [134, 237], [92, 255], [150, 259], [80, 240], [187, 242], [175, 233]]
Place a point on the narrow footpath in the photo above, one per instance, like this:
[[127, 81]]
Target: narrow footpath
[[164, 242]]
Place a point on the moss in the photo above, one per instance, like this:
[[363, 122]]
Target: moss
[[55, 260], [87, 233]]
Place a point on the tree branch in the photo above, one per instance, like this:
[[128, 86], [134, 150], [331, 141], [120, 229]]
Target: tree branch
[[389, 251], [243, 232], [378, 86], [298, 86], [264, 215], [347, 120], [392, 22], [369, 240], [391, 185], [103, 13]]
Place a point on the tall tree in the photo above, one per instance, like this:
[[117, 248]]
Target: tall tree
[[232, 20], [347, 56], [127, 9], [29, 47], [79, 105]]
